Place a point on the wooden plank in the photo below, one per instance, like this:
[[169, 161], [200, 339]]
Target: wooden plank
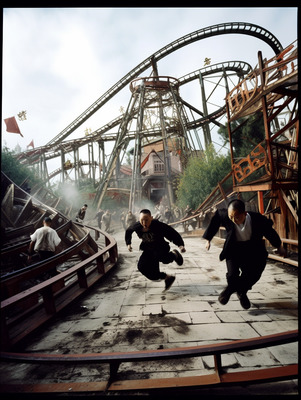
[[242, 377], [187, 381], [283, 260], [274, 373], [71, 387], [290, 207], [16, 233], [25, 212]]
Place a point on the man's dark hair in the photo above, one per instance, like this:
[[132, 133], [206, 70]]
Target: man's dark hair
[[85, 205], [145, 211], [48, 220], [237, 205]]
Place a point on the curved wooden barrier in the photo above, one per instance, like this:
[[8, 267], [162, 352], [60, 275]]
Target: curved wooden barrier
[[25, 311], [218, 377]]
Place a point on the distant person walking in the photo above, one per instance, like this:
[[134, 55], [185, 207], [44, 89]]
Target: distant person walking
[[44, 242], [244, 249], [130, 219], [98, 216], [80, 216], [106, 220], [168, 215], [155, 248]]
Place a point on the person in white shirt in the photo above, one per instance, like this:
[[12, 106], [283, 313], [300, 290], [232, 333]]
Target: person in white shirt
[[244, 250], [44, 242]]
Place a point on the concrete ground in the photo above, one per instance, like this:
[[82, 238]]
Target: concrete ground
[[127, 312]]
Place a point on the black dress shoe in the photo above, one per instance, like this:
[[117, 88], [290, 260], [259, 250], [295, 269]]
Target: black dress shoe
[[225, 295], [244, 301], [169, 281], [178, 258]]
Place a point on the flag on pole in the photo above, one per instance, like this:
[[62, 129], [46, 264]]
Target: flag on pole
[[12, 126], [31, 144]]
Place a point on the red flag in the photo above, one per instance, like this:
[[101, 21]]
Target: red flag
[[12, 126], [31, 144]]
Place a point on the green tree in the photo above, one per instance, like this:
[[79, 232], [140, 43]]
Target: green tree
[[249, 132], [201, 176], [17, 172]]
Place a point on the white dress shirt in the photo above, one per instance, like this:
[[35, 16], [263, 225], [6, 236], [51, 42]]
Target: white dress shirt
[[244, 231]]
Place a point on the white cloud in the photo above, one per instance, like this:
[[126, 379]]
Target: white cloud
[[57, 62]]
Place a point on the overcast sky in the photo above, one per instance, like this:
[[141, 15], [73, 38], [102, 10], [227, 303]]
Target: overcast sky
[[58, 61]]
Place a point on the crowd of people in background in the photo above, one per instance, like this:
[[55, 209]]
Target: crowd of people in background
[[110, 220]]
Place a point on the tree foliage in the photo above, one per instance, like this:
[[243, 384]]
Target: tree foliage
[[201, 176], [249, 132], [17, 172]]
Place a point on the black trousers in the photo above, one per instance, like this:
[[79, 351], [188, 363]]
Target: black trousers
[[245, 267], [149, 260]]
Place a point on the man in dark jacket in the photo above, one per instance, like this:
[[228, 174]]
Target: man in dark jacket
[[154, 246], [81, 213], [244, 249]]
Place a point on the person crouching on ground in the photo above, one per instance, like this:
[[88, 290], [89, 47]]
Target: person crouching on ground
[[244, 249], [155, 248]]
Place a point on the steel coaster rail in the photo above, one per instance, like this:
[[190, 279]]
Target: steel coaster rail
[[52, 151], [239, 67], [214, 30]]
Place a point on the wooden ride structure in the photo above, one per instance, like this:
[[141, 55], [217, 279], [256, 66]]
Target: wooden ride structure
[[29, 296], [270, 89], [270, 171]]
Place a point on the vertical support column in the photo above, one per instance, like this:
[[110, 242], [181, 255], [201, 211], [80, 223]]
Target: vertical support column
[[117, 172], [135, 194], [260, 202], [207, 134], [91, 162], [63, 165], [226, 81], [93, 166], [75, 158], [44, 171], [265, 117], [230, 142], [102, 161], [166, 153], [118, 147]]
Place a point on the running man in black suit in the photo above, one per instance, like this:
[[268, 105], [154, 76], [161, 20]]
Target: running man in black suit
[[244, 249], [155, 248]]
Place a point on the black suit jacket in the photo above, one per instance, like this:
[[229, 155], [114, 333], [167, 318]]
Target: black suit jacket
[[155, 237], [261, 227]]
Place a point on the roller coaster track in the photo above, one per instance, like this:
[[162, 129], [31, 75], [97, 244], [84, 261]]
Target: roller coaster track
[[214, 30], [52, 151], [29, 298], [54, 300]]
